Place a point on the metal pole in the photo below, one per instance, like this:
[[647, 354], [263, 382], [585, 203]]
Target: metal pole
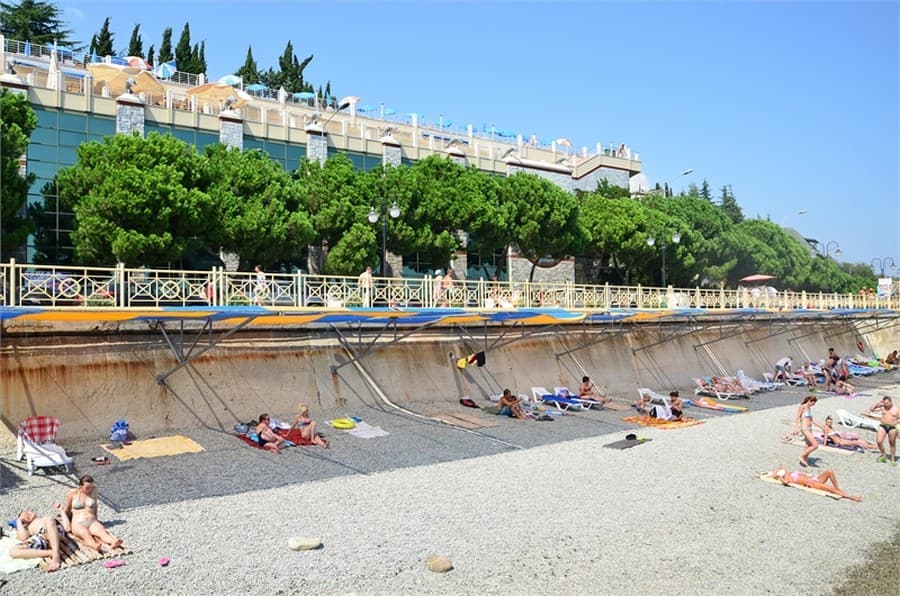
[[664, 266], [384, 217]]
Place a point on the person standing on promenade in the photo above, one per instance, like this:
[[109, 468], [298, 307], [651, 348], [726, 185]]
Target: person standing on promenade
[[365, 286], [436, 287], [259, 290], [887, 427], [447, 287], [804, 423]]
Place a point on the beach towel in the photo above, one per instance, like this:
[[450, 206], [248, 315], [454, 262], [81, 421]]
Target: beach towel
[[769, 477], [658, 423], [626, 443], [292, 437], [708, 403], [158, 447], [367, 431], [797, 441], [7, 563]]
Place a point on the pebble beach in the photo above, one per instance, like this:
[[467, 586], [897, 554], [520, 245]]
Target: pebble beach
[[520, 508]]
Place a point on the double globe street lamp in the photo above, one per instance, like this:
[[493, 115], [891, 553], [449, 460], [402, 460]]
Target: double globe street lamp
[[373, 217], [882, 263], [676, 238], [826, 249]]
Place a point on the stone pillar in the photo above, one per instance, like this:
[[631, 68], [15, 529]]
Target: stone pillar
[[129, 115], [391, 153], [231, 129], [316, 143]]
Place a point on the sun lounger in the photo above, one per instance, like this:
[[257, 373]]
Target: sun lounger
[[854, 421], [542, 395], [754, 385], [36, 443], [587, 403], [705, 387], [662, 405]]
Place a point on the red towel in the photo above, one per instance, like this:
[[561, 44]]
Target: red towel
[[40, 429], [292, 435]]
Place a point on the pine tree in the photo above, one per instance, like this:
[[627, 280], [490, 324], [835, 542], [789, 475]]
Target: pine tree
[[201, 59], [729, 205], [105, 39], [705, 192], [183, 50], [136, 44], [36, 22], [249, 72], [165, 48]]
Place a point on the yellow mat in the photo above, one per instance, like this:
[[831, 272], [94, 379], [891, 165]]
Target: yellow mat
[[768, 477], [157, 447]]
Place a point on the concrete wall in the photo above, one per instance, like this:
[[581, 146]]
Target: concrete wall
[[89, 380]]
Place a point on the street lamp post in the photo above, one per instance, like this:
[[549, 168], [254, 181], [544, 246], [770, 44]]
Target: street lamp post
[[826, 249], [393, 213], [668, 186], [882, 263], [676, 238]]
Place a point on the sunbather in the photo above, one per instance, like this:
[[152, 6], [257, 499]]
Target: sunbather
[[266, 438], [307, 426], [836, 439], [819, 482], [808, 374], [39, 538], [842, 387], [676, 405], [588, 391], [509, 405], [728, 385], [643, 405], [79, 515], [804, 423]]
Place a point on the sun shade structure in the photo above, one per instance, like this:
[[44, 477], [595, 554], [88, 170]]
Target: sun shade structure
[[116, 77], [758, 277], [219, 92]]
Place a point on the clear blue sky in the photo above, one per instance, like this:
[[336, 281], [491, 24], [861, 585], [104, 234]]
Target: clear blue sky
[[794, 105]]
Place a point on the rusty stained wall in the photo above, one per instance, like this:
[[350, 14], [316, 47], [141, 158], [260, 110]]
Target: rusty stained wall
[[90, 380]]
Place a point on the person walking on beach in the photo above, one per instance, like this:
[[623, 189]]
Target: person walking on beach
[[887, 427], [820, 482], [365, 286], [804, 423], [39, 537]]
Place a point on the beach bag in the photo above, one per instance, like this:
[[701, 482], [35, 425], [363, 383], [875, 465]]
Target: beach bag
[[119, 431]]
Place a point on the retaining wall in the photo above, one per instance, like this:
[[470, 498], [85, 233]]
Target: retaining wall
[[91, 378]]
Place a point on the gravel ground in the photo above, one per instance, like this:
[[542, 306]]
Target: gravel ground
[[521, 508]]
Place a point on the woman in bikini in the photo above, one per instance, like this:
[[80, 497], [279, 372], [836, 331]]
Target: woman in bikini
[[307, 426], [804, 423], [79, 515], [819, 482], [836, 439]]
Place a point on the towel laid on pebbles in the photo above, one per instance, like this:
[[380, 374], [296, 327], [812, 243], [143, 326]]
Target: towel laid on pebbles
[[367, 431]]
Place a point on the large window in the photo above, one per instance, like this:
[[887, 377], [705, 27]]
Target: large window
[[487, 265]]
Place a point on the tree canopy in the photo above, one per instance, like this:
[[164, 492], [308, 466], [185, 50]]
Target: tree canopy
[[16, 126]]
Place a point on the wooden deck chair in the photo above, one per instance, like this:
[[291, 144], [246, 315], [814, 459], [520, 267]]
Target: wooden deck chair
[[36, 443]]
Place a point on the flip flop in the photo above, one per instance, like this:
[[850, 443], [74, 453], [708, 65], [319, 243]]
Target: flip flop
[[164, 561], [114, 563]]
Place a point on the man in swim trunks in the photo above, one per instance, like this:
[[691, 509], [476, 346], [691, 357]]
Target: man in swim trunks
[[509, 405], [39, 537], [887, 427]]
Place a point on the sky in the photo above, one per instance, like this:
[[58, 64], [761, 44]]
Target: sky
[[794, 105]]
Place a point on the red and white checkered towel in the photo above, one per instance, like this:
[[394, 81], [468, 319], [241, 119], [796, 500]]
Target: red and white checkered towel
[[39, 429]]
